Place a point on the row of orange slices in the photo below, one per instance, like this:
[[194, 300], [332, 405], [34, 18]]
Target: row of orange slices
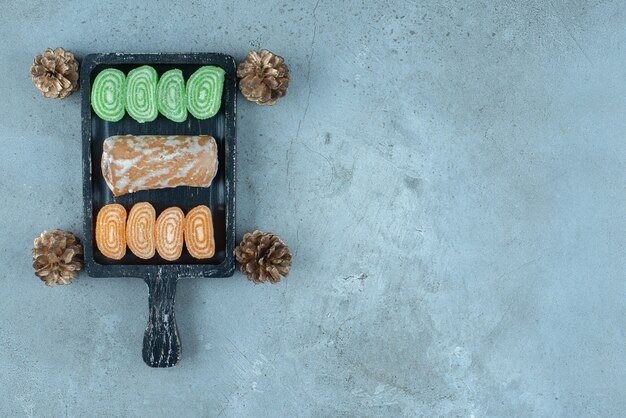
[[146, 234]]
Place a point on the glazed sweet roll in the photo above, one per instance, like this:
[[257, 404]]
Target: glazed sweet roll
[[132, 163]]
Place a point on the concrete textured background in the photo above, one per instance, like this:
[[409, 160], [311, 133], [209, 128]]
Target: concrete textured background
[[450, 176]]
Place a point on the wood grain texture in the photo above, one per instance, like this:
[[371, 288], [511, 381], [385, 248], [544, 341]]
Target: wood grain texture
[[161, 342]]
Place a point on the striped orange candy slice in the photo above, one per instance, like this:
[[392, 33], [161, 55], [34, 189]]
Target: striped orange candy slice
[[169, 233], [111, 231], [199, 232], [140, 230]]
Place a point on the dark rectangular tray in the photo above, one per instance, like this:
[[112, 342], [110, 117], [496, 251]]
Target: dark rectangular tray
[[161, 275]]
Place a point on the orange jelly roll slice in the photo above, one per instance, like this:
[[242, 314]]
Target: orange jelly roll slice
[[111, 231], [169, 233], [199, 232], [140, 230]]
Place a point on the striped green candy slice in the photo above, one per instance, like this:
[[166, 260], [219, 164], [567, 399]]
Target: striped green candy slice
[[204, 91], [141, 100], [107, 94], [171, 96]]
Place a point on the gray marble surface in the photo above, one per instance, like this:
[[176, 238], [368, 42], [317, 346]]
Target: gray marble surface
[[450, 177]]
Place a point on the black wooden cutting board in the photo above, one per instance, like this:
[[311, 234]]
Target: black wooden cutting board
[[161, 347]]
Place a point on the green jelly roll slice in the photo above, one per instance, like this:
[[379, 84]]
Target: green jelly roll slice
[[141, 92], [171, 96], [107, 94], [204, 91]]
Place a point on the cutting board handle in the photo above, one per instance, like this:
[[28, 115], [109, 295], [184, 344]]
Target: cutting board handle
[[161, 343]]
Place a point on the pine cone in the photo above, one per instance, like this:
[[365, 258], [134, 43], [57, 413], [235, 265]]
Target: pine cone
[[264, 77], [263, 257], [55, 73], [57, 257]]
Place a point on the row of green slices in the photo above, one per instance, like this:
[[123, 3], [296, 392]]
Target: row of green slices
[[143, 94]]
